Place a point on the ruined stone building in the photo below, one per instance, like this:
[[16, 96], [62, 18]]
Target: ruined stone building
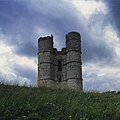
[[60, 68]]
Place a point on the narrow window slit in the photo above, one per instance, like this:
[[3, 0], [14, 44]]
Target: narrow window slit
[[59, 65]]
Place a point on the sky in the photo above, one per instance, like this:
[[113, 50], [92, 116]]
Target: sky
[[22, 22]]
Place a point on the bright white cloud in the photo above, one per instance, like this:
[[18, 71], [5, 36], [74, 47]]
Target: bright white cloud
[[5, 54], [111, 36], [117, 49], [112, 39], [101, 78], [7, 61], [87, 8]]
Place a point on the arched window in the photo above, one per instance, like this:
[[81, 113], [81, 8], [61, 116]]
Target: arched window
[[59, 65]]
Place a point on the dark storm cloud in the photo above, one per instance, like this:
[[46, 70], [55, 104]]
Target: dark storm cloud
[[16, 23], [26, 72], [28, 49], [94, 45], [95, 53], [114, 6], [19, 20]]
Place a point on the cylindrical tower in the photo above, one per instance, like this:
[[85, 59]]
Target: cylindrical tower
[[74, 65], [45, 61]]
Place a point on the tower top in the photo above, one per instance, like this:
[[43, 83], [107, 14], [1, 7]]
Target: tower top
[[45, 38], [73, 36]]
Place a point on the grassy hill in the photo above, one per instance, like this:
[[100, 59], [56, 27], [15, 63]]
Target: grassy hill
[[23, 103]]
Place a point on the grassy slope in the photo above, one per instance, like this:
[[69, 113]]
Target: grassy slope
[[22, 103]]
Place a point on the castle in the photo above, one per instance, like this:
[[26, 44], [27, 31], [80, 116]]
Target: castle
[[63, 68]]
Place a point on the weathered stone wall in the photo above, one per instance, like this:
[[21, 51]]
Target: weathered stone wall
[[45, 60], [73, 51], [64, 71], [45, 44], [50, 73]]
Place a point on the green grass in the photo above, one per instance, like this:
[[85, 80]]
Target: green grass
[[23, 103]]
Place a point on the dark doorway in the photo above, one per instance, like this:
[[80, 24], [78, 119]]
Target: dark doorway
[[59, 79], [59, 65]]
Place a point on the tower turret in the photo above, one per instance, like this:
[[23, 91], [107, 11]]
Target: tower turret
[[74, 65], [45, 61]]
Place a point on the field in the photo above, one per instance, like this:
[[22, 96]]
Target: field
[[30, 103]]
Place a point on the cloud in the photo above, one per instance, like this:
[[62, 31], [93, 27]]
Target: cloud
[[26, 72], [16, 69], [88, 7], [114, 6], [101, 77], [55, 18], [94, 44], [23, 22]]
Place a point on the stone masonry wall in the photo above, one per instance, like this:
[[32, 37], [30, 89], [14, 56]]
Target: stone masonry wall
[[60, 68]]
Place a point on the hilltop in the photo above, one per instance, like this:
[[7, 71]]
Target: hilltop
[[23, 103]]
